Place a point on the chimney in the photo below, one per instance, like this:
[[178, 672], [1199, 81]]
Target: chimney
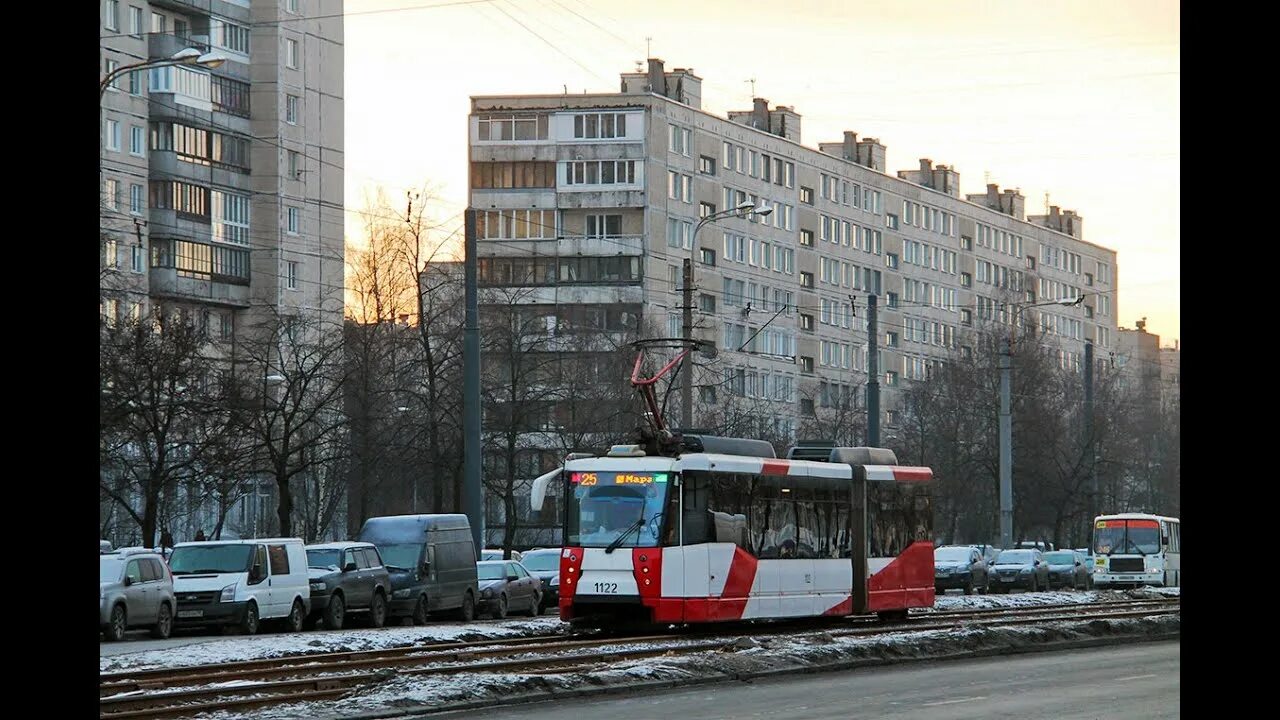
[[760, 113], [871, 154], [849, 150], [657, 81], [926, 167], [1141, 324]]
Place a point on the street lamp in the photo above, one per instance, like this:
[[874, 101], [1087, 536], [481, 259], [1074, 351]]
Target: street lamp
[[686, 369], [186, 56], [1006, 419]]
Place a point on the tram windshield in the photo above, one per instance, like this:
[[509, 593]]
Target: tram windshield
[[1126, 537], [620, 509]]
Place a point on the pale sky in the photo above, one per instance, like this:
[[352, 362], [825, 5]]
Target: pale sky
[[1076, 98]]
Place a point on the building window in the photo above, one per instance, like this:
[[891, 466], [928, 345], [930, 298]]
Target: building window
[[892, 299], [1088, 279], [226, 325], [806, 322], [706, 165], [604, 226], [600, 126], [111, 194], [502, 175], [806, 238], [679, 187], [506, 127], [112, 132], [111, 15], [600, 172], [291, 53], [966, 280], [891, 378], [891, 339], [679, 140], [707, 303], [291, 275], [679, 233], [293, 221], [806, 195], [291, 109], [157, 23], [292, 6], [137, 258], [806, 365], [135, 20], [891, 260], [891, 221], [708, 256], [234, 37], [135, 199], [229, 96], [706, 209], [966, 317], [110, 254], [137, 141], [806, 279], [295, 165]]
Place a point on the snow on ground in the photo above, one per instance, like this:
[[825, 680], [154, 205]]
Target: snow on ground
[[270, 645], [1030, 599]]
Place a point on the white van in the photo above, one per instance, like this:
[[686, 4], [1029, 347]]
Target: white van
[[241, 582]]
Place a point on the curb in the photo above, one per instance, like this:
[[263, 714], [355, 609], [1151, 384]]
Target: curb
[[592, 692]]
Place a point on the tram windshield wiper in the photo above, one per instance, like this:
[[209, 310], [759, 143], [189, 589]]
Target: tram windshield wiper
[[630, 529]]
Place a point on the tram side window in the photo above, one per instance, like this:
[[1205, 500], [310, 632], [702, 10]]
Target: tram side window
[[898, 514], [1175, 537]]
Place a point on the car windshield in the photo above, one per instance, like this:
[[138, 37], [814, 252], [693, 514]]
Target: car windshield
[[622, 507], [1060, 558], [1015, 557], [951, 554], [403, 556], [109, 569], [1126, 537], [490, 554], [327, 558], [542, 562], [491, 570], [201, 559]]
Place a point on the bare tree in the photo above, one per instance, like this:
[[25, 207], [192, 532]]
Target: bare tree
[[292, 385]]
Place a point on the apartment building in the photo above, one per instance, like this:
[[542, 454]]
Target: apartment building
[[590, 203], [222, 186]]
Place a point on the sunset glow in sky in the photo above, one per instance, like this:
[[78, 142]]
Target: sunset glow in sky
[[1079, 99]]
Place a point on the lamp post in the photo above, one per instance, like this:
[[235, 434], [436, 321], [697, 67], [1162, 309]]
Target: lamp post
[[1006, 419], [686, 366]]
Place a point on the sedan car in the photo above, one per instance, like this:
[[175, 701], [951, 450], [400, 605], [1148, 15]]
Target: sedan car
[[1019, 568], [135, 589], [347, 577], [1067, 568], [544, 564], [505, 585], [959, 566]]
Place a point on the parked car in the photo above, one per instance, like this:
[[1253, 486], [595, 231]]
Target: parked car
[[989, 553], [959, 566], [241, 583], [104, 546], [1019, 568], [544, 564], [135, 589], [1035, 545], [496, 554], [505, 585], [1067, 568], [1087, 554], [347, 577], [432, 561]]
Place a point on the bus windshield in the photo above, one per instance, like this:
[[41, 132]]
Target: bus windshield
[[1126, 537], [622, 507]]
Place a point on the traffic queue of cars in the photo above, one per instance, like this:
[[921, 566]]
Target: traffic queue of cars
[[401, 567], [980, 568]]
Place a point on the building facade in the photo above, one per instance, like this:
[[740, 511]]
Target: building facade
[[222, 187]]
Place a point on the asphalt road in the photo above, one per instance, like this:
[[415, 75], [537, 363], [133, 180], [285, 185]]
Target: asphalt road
[[1128, 681]]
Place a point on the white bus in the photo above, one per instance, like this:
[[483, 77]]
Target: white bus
[[1133, 549]]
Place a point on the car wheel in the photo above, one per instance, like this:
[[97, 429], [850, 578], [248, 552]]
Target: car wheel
[[378, 611], [335, 614], [468, 610], [535, 607], [500, 610], [297, 615], [420, 611], [249, 625], [164, 623], [119, 623]]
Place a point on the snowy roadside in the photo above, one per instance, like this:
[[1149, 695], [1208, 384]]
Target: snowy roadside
[[1031, 599], [747, 658], [283, 645]]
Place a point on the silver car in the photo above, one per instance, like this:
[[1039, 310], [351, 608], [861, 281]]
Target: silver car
[[135, 590]]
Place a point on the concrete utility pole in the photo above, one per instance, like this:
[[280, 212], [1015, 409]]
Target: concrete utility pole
[[1006, 447], [472, 504], [873, 374], [1088, 430]]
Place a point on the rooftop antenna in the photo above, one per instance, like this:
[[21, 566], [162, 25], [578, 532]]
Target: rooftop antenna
[[1046, 203], [986, 177], [753, 87], [648, 47]]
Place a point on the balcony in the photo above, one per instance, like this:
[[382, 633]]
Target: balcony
[[213, 290]]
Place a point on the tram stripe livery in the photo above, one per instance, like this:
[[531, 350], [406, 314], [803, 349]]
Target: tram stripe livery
[[714, 536]]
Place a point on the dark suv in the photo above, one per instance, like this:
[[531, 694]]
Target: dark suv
[[544, 564], [959, 566], [347, 577], [1019, 568]]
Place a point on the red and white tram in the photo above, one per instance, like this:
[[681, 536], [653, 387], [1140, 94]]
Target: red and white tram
[[724, 531]]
